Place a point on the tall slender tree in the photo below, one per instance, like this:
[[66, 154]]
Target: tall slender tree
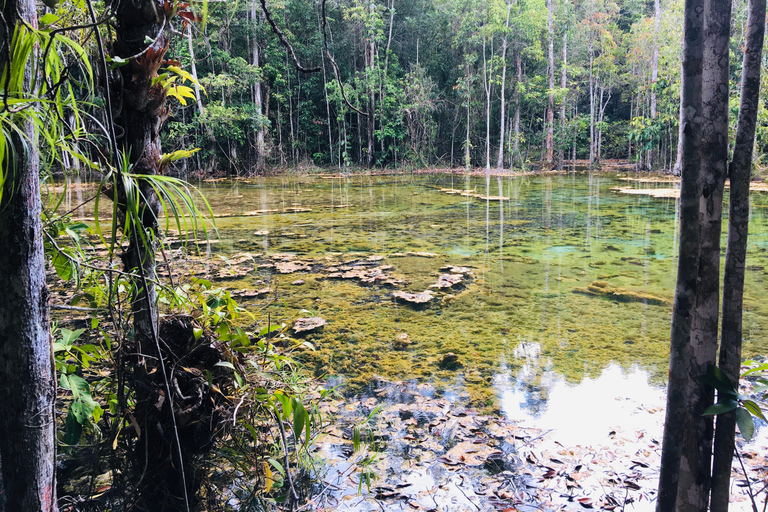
[[736, 248], [27, 381]]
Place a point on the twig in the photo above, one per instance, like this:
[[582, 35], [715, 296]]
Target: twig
[[73, 308], [746, 477], [462, 492], [539, 436], [234, 414], [287, 460]]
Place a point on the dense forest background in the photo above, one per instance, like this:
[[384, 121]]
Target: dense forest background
[[437, 83]]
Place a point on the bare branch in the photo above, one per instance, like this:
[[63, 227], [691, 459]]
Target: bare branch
[[335, 66], [284, 41]]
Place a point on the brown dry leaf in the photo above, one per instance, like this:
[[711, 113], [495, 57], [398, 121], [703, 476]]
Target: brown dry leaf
[[469, 453]]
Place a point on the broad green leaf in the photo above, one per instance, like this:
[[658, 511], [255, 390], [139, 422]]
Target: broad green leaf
[[753, 408], [717, 379], [69, 337], [279, 467], [72, 430], [721, 407], [745, 423], [63, 266], [48, 19], [299, 417]]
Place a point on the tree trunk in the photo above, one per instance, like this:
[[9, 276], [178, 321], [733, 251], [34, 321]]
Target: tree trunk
[[27, 376], [563, 85], [688, 257], [487, 89], [371, 118], [655, 60], [736, 249], [502, 114], [516, 142], [695, 467], [257, 99], [550, 137], [591, 108]]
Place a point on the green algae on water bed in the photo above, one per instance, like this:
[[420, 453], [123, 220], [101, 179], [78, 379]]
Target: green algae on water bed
[[531, 243]]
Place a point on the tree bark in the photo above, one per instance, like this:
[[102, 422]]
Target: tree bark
[[487, 89], [550, 136], [502, 114], [591, 108], [516, 142], [736, 249], [27, 376], [563, 86], [695, 468], [258, 98], [688, 257]]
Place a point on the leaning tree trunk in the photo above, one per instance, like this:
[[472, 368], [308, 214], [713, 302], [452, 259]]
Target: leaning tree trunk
[[27, 380], [736, 249], [688, 257], [695, 467]]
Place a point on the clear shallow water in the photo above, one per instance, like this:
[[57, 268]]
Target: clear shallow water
[[531, 251]]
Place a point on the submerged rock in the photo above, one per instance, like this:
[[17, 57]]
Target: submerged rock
[[414, 298], [402, 341], [450, 361], [308, 324], [604, 289], [448, 281]]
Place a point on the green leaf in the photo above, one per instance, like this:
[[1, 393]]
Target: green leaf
[[81, 411], [69, 337], [63, 266], [754, 409], [721, 407], [279, 467], [717, 379], [299, 417], [225, 364], [72, 430], [48, 19], [761, 368], [356, 437], [98, 412], [285, 400], [745, 423]]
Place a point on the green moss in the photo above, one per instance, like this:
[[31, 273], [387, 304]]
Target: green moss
[[524, 275]]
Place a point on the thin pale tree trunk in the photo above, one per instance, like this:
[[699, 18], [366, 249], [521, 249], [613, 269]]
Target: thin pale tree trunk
[[550, 136], [563, 85], [736, 249], [257, 98], [502, 114], [516, 127], [487, 89], [591, 108]]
